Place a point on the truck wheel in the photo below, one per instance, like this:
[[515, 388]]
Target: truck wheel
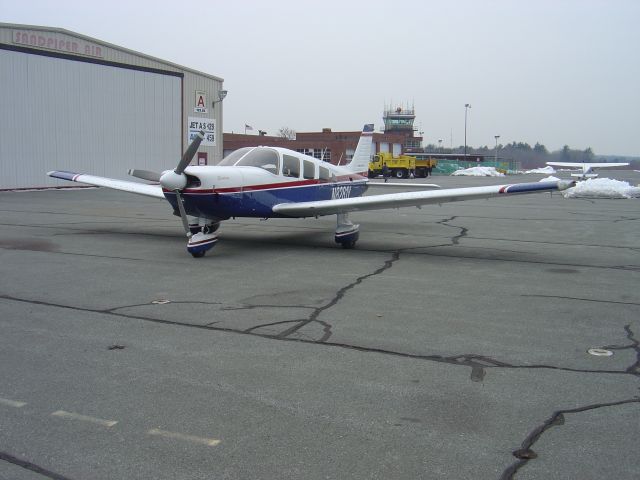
[[400, 173]]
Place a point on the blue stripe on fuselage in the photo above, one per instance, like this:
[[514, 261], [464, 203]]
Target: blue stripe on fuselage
[[259, 203]]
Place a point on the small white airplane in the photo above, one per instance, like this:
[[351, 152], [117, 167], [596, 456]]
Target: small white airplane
[[586, 168], [268, 182]]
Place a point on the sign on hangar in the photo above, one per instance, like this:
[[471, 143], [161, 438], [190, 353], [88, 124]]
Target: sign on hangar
[[72, 102]]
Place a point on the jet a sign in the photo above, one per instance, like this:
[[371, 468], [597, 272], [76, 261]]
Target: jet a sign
[[208, 125]]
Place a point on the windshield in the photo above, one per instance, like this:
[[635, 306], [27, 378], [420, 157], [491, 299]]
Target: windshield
[[260, 157], [233, 157]]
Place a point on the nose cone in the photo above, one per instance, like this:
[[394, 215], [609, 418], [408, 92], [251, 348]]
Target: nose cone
[[171, 180]]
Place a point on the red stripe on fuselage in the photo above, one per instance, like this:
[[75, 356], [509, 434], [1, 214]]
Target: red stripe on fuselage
[[269, 186], [246, 188]]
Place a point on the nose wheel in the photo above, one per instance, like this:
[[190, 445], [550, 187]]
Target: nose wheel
[[201, 243], [202, 238]]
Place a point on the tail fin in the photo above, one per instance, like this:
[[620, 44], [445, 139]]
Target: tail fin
[[360, 161]]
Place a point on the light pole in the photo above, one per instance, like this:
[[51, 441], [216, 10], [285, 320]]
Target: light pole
[[467, 106], [496, 137], [440, 145]]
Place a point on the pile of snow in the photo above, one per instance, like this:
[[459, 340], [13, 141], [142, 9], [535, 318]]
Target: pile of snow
[[549, 179], [548, 170], [479, 172], [601, 188]]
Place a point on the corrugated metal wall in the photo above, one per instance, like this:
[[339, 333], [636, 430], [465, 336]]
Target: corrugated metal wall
[[71, 115]]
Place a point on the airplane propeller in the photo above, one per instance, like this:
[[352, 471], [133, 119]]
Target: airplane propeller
[[176, 180]]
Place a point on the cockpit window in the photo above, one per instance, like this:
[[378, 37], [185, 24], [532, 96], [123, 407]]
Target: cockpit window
[[233, 157], [261, 157]]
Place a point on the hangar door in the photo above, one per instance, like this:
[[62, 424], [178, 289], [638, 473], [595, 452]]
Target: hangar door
[[62, 114]]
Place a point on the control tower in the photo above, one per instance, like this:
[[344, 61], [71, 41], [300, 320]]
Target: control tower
[[399, 121]]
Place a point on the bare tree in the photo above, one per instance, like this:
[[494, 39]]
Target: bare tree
[[288, 133]]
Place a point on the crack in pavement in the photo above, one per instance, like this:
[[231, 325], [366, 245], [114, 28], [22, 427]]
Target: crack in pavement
[[562, 297], [253, 307], [634, 368], [151, 304], [473, 361], [526, 454], [31, 466], [455, 240], [395, 256], [313, 317], [477, 363]]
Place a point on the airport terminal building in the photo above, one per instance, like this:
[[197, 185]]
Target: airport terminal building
[[72, 102]]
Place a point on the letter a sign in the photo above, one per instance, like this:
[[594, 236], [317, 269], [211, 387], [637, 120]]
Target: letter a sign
[[201, 102]]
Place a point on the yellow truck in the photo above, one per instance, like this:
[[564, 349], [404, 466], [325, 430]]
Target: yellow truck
[[401, 166]]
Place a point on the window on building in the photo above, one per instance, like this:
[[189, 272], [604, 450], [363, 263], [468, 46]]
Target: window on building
[[348, 154]]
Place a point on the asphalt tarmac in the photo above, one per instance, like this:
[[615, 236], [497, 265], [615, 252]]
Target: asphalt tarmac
[[451, 343]]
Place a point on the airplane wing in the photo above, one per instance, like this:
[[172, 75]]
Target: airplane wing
[[131, 187], [409, 199], [404, 186], [587, 164]]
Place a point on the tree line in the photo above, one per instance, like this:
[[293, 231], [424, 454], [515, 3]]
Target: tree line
[[529, 156]]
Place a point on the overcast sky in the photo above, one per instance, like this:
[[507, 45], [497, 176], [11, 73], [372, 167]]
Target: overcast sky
[[550, 71]]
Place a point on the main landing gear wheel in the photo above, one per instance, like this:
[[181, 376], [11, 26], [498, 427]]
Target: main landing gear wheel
[[349, 243], [347, 233]]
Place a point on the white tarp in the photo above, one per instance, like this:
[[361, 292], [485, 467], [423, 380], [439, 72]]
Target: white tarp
[[479, 172]]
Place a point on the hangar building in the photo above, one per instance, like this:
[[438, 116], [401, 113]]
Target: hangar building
[[72, 102]]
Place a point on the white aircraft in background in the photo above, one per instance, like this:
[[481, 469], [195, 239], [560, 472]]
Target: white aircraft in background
[[586, 168], [268, 182]]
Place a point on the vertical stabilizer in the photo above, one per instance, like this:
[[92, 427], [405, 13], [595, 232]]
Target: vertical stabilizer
[[360, 161]]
